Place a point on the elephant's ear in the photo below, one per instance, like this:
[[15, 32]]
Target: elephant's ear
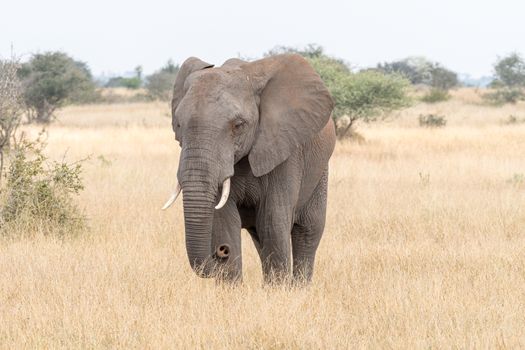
[[189, 66], [233, 62], [294, 106]]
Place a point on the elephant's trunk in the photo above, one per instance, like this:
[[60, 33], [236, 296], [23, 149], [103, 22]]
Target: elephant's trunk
[[199, 180], [198, 218]]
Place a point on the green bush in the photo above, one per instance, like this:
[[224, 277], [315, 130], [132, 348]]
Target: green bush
[[435, 95], [38, 195], [432, 121], [51, 80]]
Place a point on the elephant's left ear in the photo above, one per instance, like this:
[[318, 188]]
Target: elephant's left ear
[[294, 106]]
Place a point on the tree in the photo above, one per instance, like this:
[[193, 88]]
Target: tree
[[310, 51], [160, 84], [442, 78], [138, 72], [509, 80], [419, 70], [416, 69], [51, 80], [11, 106], [366, 95], [510, 71]]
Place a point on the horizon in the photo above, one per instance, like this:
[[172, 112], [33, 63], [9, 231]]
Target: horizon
[[113, 38]]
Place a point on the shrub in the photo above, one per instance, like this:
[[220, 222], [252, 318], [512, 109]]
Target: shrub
[[516, 180], [435, 95], [504, 95], [38, 196], [51, 80], [160, 84], [432, 120], [512, 119]]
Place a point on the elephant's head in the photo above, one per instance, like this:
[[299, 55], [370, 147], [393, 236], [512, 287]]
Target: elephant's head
[[264, 109]]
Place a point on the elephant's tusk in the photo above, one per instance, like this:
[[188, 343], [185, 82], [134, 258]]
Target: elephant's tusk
[[225, 193], [173, 197]]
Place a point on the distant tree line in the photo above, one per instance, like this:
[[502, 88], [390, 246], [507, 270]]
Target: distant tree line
[[51, 80], [134, 82]]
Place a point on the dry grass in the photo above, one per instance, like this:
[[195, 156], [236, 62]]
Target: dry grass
[[424, 246]]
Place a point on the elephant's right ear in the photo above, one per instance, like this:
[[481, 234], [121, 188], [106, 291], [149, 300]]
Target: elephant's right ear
[[189, 66]]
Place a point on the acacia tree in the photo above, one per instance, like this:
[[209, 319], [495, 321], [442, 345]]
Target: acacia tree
[[51, 80], [366, 95]]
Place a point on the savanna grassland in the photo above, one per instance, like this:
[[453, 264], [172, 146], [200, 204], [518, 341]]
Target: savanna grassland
[[424, 245]]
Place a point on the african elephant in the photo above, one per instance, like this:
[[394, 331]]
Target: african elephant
[[256, 137]]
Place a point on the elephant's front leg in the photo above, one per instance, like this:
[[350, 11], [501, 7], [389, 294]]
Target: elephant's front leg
[[226, 243], [274, 230]]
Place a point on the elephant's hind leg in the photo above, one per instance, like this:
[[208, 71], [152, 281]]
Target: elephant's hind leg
[[307, 233]]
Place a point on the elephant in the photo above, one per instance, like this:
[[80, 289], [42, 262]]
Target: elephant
[[256, 137]]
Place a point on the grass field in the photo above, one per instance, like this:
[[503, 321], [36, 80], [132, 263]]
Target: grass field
[[424, 245]]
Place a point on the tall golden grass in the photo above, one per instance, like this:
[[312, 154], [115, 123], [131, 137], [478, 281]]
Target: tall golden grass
[[424, 245]]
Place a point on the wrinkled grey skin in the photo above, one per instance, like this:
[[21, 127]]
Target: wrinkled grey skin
[[266, 125]]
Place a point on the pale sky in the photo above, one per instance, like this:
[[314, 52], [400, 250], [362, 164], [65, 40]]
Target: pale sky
[[114, 36]]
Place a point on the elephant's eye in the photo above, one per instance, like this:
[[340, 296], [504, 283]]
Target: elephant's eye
[[238, 124]]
